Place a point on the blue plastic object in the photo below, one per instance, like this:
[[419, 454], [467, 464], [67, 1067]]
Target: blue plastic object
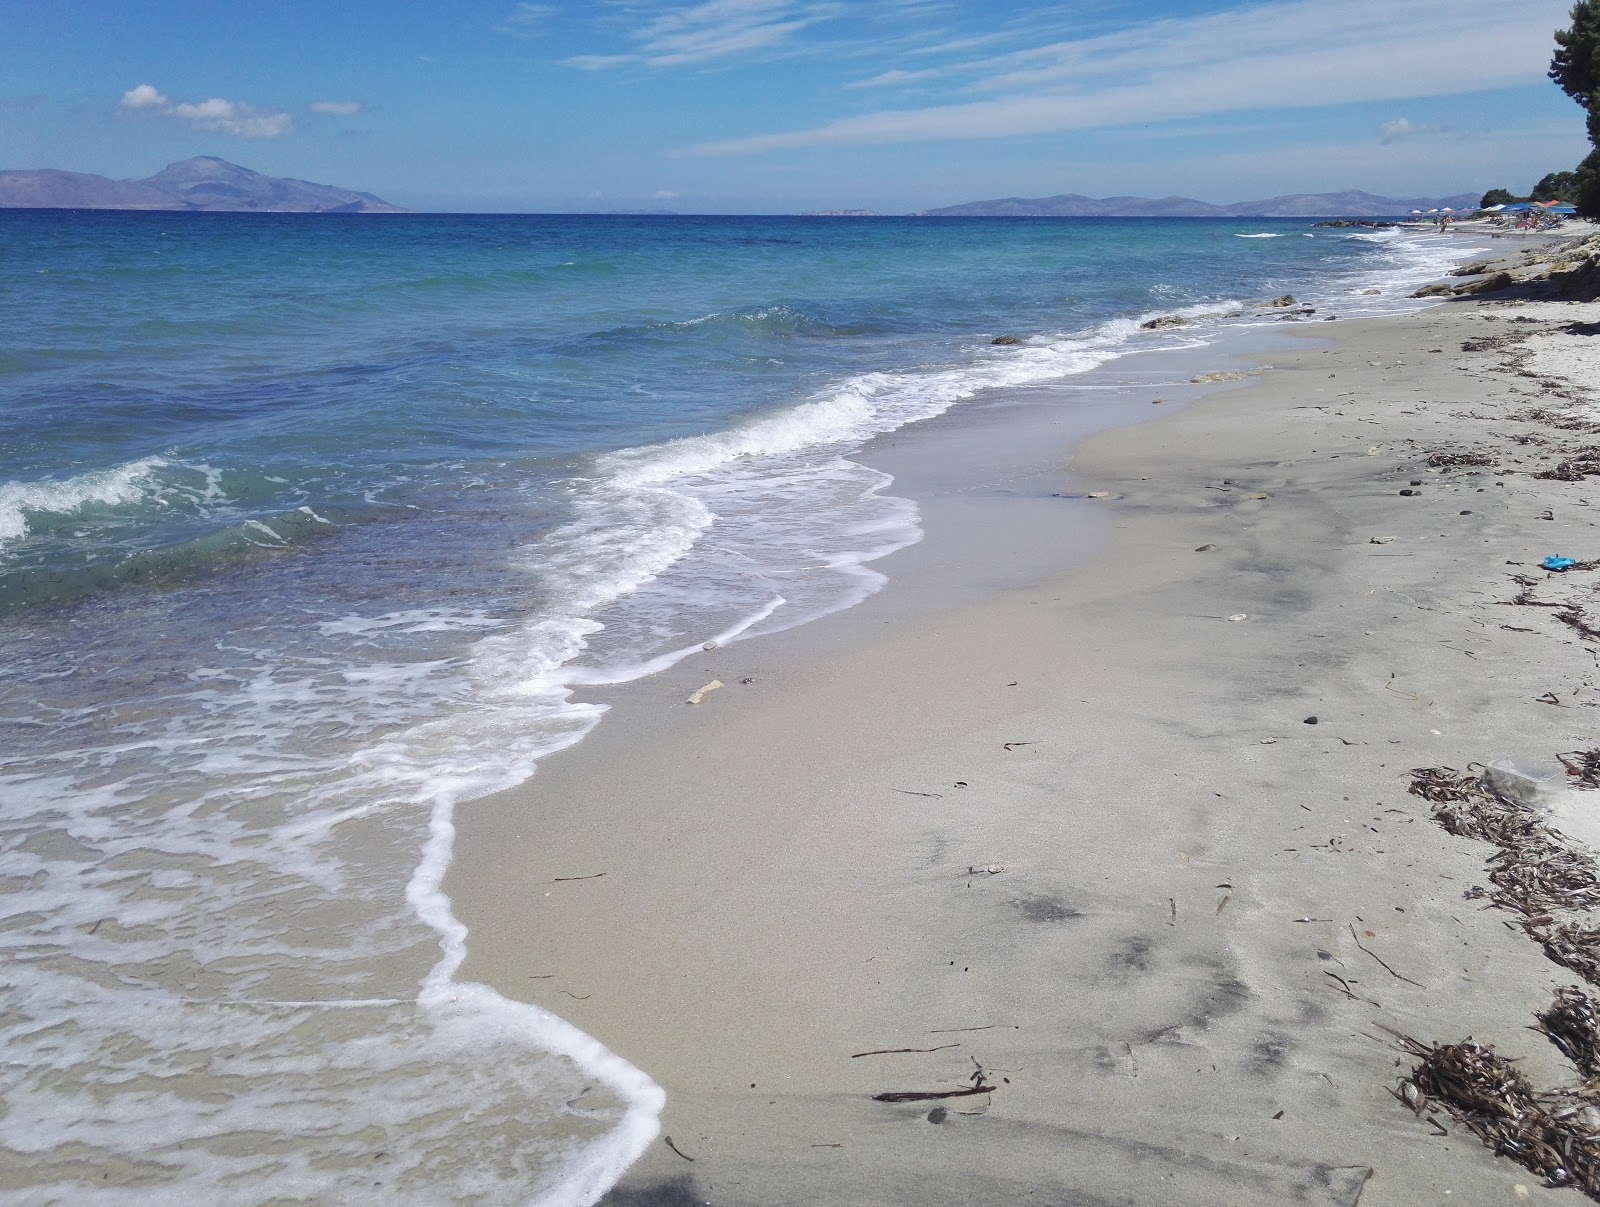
[[1558, 564]]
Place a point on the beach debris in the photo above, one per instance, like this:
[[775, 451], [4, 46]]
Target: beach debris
[[1584, 766], [1556, 1133], [1548, 698], [1373, 451], [979, 1085], [1408, 492], [1014, 745], [897, 1051], [667, 1140], [1238, 616], [1259, 494], [700, 693], [1573, 469], [1206, 548], [1098, 494], [1382, 540], [1455, 460], [710, 645], [988, 869], [1155, 402], [1572, 1023], [1572, 615], [1380, 959], [1558, 564], [564, 879], [909, 792]]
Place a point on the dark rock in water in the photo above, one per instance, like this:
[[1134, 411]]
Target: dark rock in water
[[1166, 320], [1007, 340], [1368, 222], [1286, 300]]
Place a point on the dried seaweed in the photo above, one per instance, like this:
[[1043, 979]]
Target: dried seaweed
[[1440, 784], [1573, 616], [1571, 945], [1550, 1134], [1583, 766], [1573, 1025], [1458, 460], [1535, 870], [1573, 469]]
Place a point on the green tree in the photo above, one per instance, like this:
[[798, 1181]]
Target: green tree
[[1496, 197], [1555, 186], [1575, 67]]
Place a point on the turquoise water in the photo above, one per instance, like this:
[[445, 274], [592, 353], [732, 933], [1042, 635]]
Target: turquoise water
[[308, 525]]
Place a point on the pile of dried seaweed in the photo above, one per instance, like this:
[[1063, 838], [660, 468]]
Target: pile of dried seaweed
[[1555, 1134], [1456, 460], [1535, 872], [1574, 469], [1573, 1025]]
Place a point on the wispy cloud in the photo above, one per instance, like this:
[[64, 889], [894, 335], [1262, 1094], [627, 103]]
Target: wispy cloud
[[895, 77], [712, 30], [527, 20], [1300, 54], [336, 108], [216, 115]]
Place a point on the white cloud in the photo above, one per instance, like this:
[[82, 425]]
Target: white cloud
[[144, 97], [1300, 54], [216, 115], [1403, 128], [337, 108], [665, 195]]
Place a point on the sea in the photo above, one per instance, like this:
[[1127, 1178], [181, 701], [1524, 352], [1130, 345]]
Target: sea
[[311, 526]]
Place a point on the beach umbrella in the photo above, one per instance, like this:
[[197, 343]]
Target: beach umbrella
[[1416, 211], [1495, 209]]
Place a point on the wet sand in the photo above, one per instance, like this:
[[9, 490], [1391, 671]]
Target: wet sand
[[1051, 811]]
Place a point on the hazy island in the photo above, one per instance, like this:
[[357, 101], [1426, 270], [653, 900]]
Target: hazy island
[[203, 183]]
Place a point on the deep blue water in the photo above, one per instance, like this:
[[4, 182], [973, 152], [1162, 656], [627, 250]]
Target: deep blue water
[[307, 526]]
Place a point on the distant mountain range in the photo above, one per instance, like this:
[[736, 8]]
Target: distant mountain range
[[1350, 204], [202, 183]]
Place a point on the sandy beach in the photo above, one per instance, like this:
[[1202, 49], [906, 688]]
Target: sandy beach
[[1099, 809]]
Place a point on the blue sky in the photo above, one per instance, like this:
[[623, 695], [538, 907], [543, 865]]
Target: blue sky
[[781, 105]]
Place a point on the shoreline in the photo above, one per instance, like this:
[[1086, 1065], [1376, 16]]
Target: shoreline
[[780, 895]]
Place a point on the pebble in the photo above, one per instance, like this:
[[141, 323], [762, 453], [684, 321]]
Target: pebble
[[1409, 491], [1311, 720]]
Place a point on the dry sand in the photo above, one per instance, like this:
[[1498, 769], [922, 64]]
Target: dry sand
[[1051, 809]]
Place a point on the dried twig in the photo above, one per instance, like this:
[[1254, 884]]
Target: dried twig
[[1380, 960], [896, 1051]]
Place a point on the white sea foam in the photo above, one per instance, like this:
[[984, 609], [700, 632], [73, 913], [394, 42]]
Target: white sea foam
[[112, 487], [1262, 235]]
